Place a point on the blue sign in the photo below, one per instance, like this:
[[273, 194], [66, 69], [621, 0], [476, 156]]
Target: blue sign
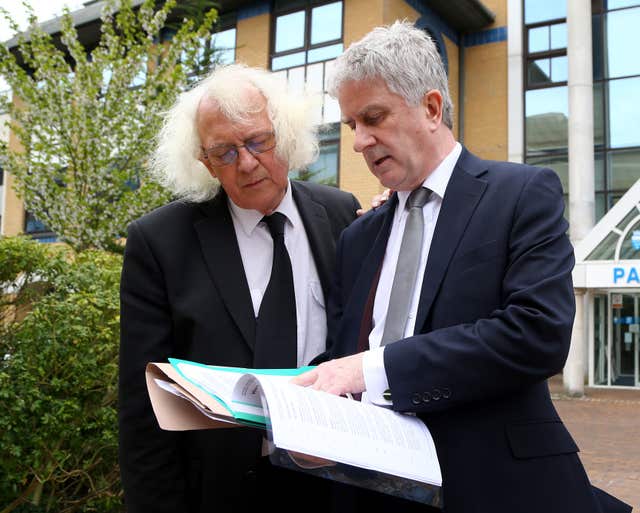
[[635, 240], [626, 320], [624, 275]]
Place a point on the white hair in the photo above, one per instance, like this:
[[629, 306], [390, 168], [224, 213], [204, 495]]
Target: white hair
[[404, 56], [175, 163]]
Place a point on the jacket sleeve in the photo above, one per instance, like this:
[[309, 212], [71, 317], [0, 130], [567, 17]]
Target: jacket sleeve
[[150, 461], [524, 340]]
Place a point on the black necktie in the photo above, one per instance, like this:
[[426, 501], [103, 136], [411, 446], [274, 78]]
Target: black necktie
[[276, 328]]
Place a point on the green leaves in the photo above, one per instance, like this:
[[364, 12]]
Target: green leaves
[[86, 121], [58, 378]]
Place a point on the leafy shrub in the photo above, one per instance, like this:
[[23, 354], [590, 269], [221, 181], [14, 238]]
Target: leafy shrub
[[58, 378]]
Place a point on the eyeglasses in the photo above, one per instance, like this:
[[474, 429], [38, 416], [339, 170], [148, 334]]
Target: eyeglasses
[[225, 154]]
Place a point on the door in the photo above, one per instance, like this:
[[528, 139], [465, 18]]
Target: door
[[625, 337]]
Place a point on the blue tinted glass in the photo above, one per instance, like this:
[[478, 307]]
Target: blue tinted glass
[[287, 61], [538, 39], [615, 4], [225, 45], [624, 169], [539, 72], [600, 206], [547, 113], [290, 31], [325, 168], [622, 43], [543, 10], [624, 113], [558, 163], [598, 48], [326, 23], [558, 36], [598, 116], [598, 164], [324, 53], [628, 249], [34, 225], [559, 69]]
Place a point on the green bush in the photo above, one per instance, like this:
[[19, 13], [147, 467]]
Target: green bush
[[58, 378]]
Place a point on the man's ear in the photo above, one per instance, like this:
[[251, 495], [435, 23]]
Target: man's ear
[[432, 103]]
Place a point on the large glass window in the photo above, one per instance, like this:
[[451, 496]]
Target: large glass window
[[323, 170], [312, 32], [536, 11], [616, 75], [307, 37]]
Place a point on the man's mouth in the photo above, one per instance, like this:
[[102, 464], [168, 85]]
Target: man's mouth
[[254, 182], [381, 160]]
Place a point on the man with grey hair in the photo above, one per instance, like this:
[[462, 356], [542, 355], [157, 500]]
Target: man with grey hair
[[454, 301], [234, 273]]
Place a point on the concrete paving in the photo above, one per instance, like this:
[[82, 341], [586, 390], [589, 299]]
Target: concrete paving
[[605, 424]]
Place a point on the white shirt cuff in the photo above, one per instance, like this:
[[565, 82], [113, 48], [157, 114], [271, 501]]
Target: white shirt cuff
[[375, 377]]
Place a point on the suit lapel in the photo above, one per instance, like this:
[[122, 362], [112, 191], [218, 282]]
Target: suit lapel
[[222, 255], [460, 200], [367, 266], [318, 228]]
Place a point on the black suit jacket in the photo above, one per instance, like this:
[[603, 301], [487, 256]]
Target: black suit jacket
[[184, 294], [494, 321]]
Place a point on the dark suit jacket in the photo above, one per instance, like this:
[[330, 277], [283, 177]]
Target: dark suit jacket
[[184, 294], [494, 321]]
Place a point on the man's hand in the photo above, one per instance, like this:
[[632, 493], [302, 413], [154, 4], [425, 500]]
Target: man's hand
[[376, 201], [338, 377]]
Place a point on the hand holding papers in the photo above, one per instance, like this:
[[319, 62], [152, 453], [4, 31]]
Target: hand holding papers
[[187, 395]]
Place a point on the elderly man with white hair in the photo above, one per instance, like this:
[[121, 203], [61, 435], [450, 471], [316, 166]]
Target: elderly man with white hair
[[235, 272]]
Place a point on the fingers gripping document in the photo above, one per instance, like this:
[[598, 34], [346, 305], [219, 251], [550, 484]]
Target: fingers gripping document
[[189, 395]]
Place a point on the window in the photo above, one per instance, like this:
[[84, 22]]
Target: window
[[220, 48], [546, 98], [616, 76], [324, 169], [37, 229], [305, 35], [306, 38]]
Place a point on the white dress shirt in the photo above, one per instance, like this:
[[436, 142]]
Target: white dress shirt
[[256, 250], [373, 362]]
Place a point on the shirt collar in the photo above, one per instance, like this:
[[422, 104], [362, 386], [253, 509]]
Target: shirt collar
[[248, 219], [437, 180]]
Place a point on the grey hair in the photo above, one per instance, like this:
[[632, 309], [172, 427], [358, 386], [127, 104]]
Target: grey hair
[[175, 163], [404, 56]]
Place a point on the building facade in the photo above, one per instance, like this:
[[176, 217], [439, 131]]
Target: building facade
[[547, 82]]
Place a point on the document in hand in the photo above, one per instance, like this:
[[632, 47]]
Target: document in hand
[[187, 395]]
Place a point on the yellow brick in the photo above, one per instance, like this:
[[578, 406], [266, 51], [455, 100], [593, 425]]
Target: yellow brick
[[252, 41]]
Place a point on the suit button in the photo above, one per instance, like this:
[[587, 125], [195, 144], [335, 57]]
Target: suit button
[[436, 394], [415, 398], [446, 393], [426, 397], [250, 475]]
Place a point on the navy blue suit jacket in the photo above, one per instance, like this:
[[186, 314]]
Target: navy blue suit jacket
[[494, 322]]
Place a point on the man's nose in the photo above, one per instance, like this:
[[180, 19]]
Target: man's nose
[[246, 160], [363, 139]]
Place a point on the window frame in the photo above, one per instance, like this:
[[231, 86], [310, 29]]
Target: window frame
[[306, 45]]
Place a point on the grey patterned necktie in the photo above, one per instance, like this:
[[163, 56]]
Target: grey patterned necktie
[[407, 268]]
